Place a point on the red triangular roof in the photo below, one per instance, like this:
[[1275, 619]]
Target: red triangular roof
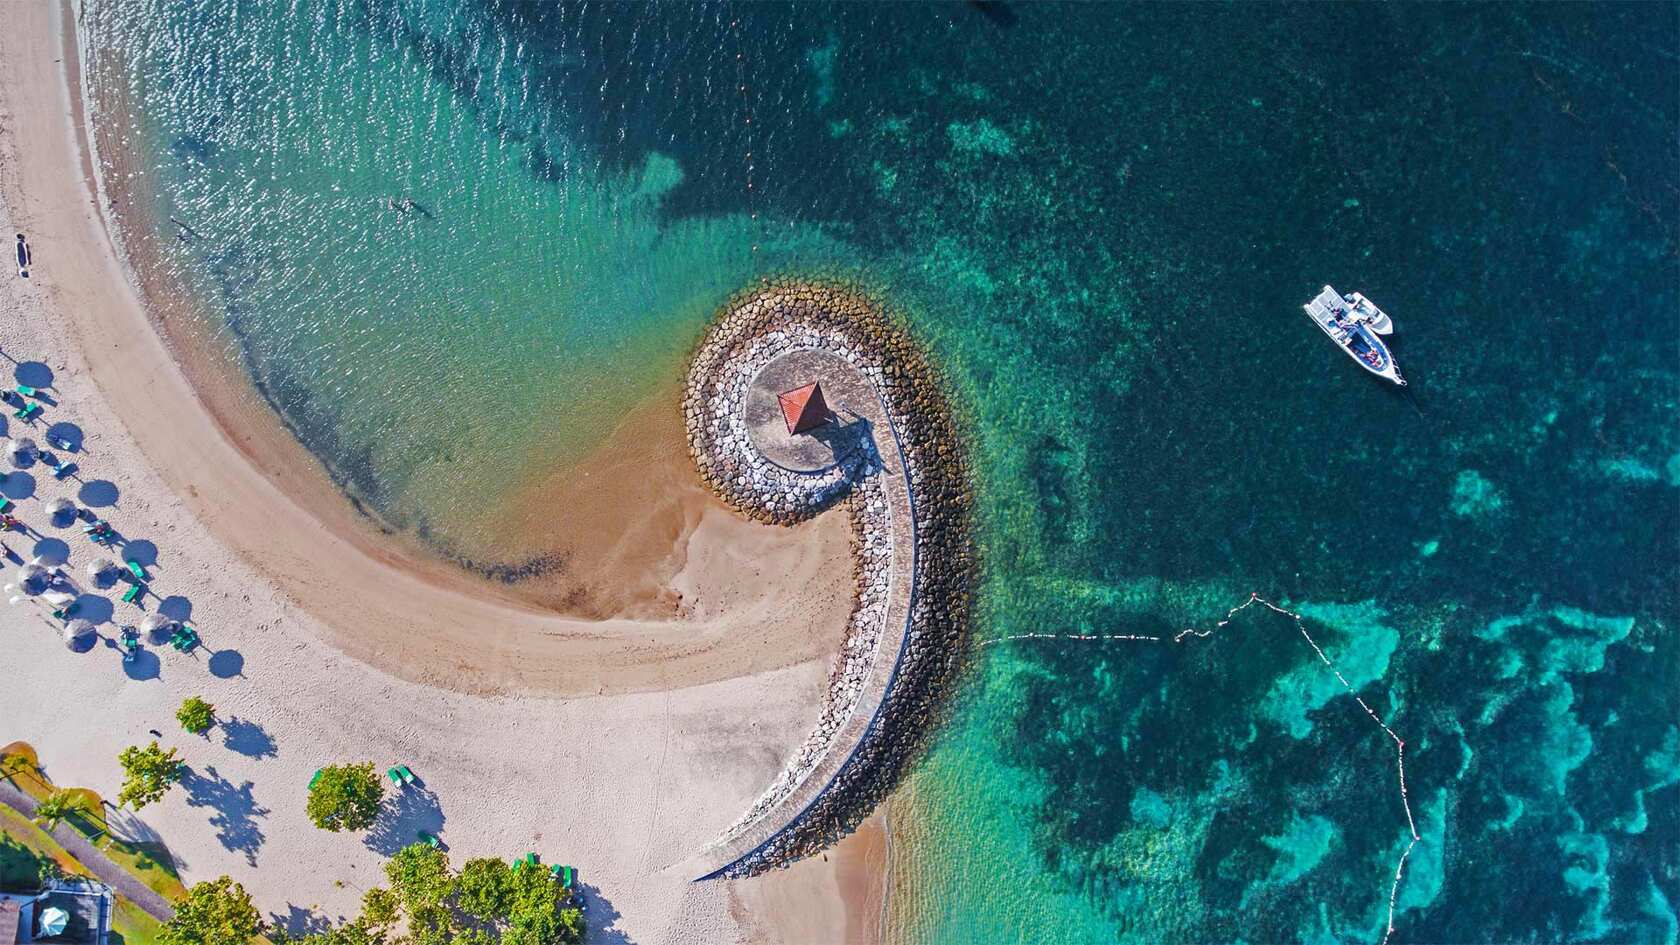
[[803, 408]]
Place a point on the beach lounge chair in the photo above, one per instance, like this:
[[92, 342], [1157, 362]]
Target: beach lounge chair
[[28, 412], [184, 639], [316, 779], [403, 772], [429, 839], [394, 776], [135, 569], [133, 593], [64, 469], [66, 612], [25, 390], [6, 505]]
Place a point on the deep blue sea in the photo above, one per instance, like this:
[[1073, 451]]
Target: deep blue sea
[[451, 241]]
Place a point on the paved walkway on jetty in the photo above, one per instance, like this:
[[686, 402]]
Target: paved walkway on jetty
[[861, 423]]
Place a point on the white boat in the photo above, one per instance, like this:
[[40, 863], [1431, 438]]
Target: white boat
[[1356, 325]]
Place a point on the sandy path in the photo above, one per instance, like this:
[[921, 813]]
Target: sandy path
[[619, 746]]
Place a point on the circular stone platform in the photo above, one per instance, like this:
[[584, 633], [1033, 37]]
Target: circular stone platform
[[851, 402]]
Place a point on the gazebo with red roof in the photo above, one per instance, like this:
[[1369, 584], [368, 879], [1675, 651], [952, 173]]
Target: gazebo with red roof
[[803, 408]]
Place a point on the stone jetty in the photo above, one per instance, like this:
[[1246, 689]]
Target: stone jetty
[[891, 460]]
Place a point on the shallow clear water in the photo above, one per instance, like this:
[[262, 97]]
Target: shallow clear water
[[1103, 220]]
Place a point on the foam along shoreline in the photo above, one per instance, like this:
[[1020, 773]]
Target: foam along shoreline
[[892, 459], [257, 573], [272, 503]]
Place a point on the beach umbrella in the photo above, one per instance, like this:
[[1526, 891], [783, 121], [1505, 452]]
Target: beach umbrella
[[32, 578], [20, 450], [155, 626], [102, 571], [59, 508], [58, 599], [53, 921], [78, 635]]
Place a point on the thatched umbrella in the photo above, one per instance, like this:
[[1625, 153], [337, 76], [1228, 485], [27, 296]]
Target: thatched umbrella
[[103, 571], [155, 626], [58, 508], [32, 578], [78, 635], [20, 450]]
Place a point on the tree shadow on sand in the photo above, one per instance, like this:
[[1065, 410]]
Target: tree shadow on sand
[[248, 738], [411, 810], [601, 917], [236, 811], [298, 921]]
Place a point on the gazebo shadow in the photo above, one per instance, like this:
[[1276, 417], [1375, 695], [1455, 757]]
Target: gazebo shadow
[[851, 439]]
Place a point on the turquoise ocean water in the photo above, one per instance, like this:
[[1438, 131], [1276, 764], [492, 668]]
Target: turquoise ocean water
[[1103, 221]]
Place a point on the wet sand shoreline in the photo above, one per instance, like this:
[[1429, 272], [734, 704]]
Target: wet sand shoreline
[[278, 566]]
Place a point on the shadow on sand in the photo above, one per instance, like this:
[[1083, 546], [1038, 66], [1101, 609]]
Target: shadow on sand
[[236, 811], [248, 738], [601, 917], [411, 810]]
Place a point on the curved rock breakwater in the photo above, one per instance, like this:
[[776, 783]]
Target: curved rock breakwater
[[891, 459]]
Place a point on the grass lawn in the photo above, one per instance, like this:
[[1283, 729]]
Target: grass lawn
[[23, 847]]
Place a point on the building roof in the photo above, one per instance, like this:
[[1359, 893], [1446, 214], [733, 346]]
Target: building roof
[[88, 904], [803, 408]]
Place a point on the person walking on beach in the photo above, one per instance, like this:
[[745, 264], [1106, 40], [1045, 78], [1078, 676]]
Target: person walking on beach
[[24, 256]]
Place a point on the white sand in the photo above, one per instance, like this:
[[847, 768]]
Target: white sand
[[345, 652]]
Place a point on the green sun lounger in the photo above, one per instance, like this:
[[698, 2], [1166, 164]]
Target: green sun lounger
[[28, 412], [394, 776], [406, 775], [135, 569], [429, 839], [133, 593], [6, 505], [316, 779], [25, 390]]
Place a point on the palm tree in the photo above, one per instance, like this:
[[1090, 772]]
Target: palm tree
[[59, 805]]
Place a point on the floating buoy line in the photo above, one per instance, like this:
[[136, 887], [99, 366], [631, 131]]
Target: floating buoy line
[[1301, 625]]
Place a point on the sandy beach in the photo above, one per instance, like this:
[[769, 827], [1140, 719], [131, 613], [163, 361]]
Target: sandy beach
[[620, 737]]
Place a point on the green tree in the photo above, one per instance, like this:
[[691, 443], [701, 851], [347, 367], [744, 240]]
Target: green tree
[[48, 870], [420, 876], [214, 913], [59, 805], [345, 797], [539, 911], [350, 933], [379, 907], [148, 773], [196, 715], [486, 889]]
